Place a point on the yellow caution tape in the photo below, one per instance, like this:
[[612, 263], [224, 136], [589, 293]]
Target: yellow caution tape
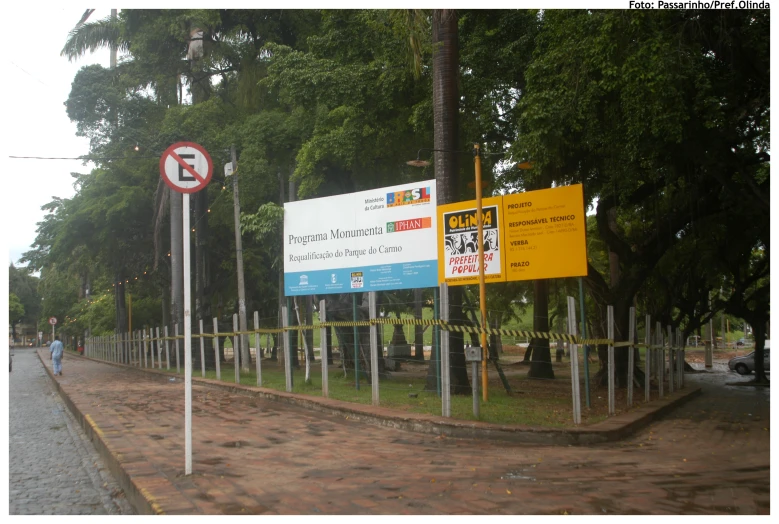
[[574, 339]]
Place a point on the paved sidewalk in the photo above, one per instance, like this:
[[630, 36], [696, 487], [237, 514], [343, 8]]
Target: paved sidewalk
[[255, 456]]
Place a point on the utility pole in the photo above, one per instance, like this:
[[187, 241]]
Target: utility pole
[[245, 354]]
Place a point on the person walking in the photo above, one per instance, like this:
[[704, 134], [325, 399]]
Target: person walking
[[56, 350]]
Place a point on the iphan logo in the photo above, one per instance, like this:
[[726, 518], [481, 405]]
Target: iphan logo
[[419, 195], [409, 225]]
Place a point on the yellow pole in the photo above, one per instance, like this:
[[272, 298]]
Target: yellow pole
[[482, 287]]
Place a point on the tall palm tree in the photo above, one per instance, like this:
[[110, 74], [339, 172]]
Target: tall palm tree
[[446, 75]]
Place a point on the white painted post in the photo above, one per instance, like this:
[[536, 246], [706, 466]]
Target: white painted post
[[631, 353], [610, 327], [145, 348], [287, 363], [446, 396], [202, 350], [647, 353], [176, 346], [187, 339], [574, 350], [374, 336], [159, 346], [216, 350], [151, 344], [323, 349], [258, 350], [236, 350], [167, 346]]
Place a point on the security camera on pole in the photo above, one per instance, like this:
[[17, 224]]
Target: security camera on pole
[[186, 168]]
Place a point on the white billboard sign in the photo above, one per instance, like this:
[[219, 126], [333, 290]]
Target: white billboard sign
[[373, 240]]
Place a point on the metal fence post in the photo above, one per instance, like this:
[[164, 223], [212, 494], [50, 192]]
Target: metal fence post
[[631, 354], [660, 361], [374, 336], [574, 350], [166, 334], [258, 350], [610, 321], [216, 350], [446, 404], [236, 350], [159, 346], [287, 349], [202, 350], [323, 348], [671, 360], [647, 356]]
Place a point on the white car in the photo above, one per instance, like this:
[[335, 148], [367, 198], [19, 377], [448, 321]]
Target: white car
[[746, 364]]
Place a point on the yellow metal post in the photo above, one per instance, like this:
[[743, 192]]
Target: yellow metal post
[[482, 286]]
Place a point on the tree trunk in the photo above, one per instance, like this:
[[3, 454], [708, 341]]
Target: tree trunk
[[446, 63], [621, 325], [458, 372], [329, 336], [202, 304], [541, 362], [446, 101]]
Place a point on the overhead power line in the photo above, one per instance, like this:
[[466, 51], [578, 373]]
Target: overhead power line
[[82, 157]]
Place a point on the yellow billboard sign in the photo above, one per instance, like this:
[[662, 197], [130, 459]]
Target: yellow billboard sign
[[544, 234], [458, 247]]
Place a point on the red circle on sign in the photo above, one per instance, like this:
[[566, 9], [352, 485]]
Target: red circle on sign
[[204, 180], [52, 321]]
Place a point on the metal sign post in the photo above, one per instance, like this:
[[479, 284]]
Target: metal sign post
[[186, 168]]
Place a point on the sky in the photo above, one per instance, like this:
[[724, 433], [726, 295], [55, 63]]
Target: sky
[[37, 84]]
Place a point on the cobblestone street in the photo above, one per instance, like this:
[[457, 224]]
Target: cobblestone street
[[53, 469]]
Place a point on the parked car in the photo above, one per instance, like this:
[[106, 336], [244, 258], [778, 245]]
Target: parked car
[[746, 364]]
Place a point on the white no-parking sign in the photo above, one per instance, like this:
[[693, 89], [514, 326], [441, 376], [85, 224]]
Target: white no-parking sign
[[186, 167]]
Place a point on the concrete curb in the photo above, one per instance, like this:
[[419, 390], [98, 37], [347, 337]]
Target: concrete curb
[[138, 495]]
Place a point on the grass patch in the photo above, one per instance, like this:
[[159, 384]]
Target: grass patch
[[533, 402]]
